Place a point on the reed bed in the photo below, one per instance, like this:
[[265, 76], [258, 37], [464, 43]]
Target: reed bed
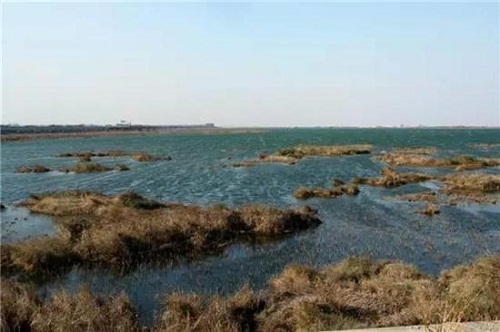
[[127, 229], [355, 293]]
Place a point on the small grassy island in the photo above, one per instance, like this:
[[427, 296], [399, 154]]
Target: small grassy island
[[293, 155], [121, 230], [137, 156]]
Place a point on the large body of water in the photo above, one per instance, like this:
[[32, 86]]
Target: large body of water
[[370, 224]]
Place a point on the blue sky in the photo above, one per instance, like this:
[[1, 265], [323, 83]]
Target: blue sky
[[251, 64]]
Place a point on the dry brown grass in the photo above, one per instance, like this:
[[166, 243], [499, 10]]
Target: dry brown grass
[[192, 313], [265, 159], [85, 312], [466, 183], [355, 293], [38, 256], [86, 156], [391, 178], [293, 155], [301, 151], [144, 157], [399, 158], [340, 190], [86, 168], [18, 305], [22, 310], [430, 210], [90, 154], [128, 229], [32, 169]]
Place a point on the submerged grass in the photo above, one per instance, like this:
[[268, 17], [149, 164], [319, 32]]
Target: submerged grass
[[354, 293], [128, 229]]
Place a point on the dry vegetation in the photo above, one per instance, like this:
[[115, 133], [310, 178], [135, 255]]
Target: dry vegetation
[[355, 293], [88, 155], [430, 210], [33, 169], [461, 187], [293, 155], [423, 159], [86, 167], [339, 189], [22, 310], [391, 178], [142, 157], [129, 229]]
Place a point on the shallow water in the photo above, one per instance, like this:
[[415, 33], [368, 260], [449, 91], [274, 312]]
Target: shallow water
[[371, 224]]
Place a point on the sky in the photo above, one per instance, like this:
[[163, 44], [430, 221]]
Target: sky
[[251, 64]]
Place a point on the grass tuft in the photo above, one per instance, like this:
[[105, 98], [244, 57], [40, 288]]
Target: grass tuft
[[33, 169]]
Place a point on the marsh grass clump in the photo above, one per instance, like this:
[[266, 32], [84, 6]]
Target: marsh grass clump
[[86, 167], [23, 310], [356, 293], [265, 159], [430, 210], [135, 201], [466, 183], [191, 313], [472, 292], [38, 256], [423, 159], [301, 151], [391, 178], [293, 155], [127, 229], [86, 156], [145, 157], [32, 169], [19, 304], [339, 190], [90, 154], [85, 312]]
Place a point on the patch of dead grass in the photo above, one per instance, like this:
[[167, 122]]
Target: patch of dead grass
[[354, 293], [32, 169], [460, 163], [122, 230], [293, 155], [391, 178]]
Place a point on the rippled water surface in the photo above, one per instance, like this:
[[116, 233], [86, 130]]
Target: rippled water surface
[[370, 224]]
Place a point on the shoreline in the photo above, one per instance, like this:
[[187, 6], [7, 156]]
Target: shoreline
[[23, 137]]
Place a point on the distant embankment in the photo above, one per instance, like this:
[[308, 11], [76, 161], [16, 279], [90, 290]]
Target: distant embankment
[[21, 133]]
